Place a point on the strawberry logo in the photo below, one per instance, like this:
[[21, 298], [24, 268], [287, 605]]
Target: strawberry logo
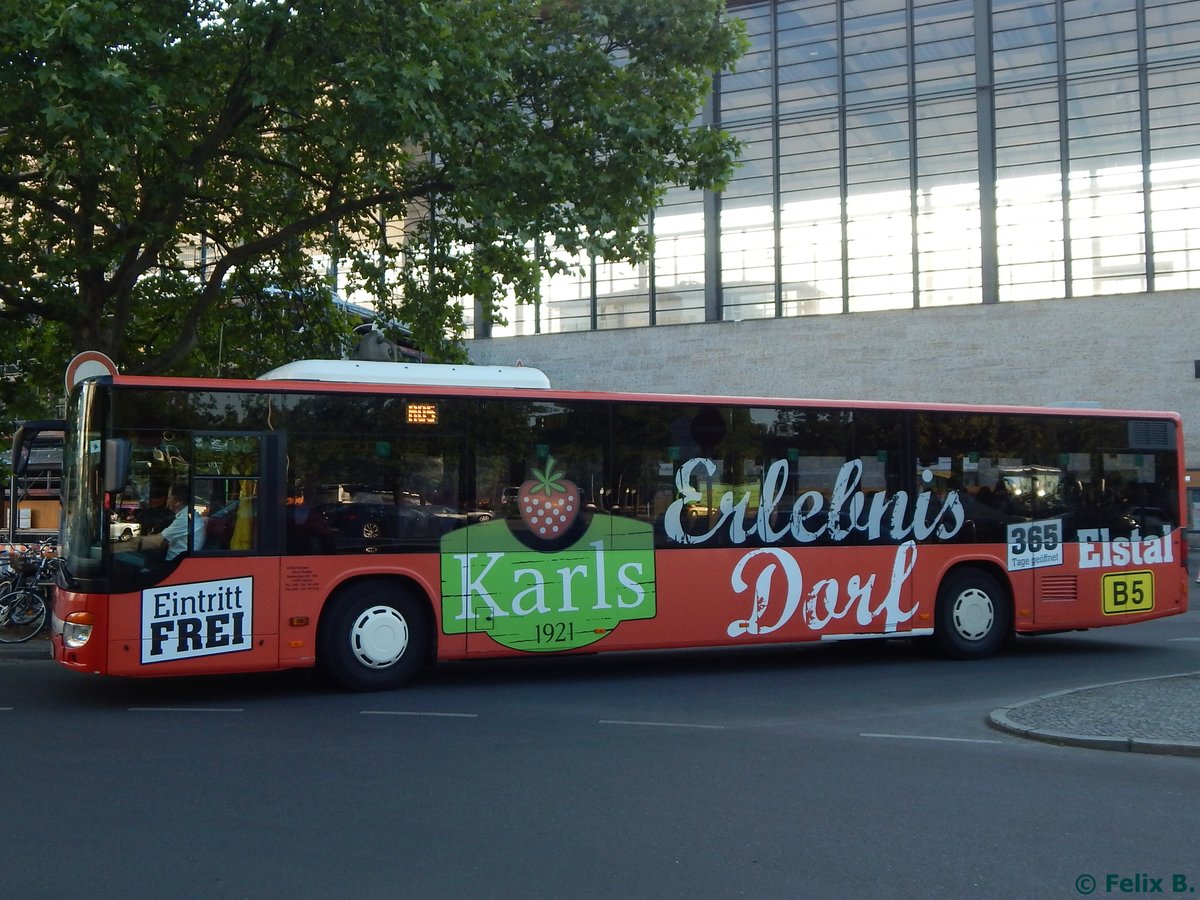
[[548, 502]]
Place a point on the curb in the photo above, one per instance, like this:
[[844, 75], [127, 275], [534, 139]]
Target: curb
[[32, 649], [1002, 721]]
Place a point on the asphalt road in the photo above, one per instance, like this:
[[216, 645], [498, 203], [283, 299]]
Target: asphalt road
[[846, 770]]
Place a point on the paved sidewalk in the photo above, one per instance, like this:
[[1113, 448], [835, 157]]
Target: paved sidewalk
[[1150, 715]]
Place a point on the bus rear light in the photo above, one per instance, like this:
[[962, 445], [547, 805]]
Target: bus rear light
[[77, 629]]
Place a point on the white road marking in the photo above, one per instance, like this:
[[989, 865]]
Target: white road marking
[[661, 724], [432, 715], [929, 737], [186, 709]]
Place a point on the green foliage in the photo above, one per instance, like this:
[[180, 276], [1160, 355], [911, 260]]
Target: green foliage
[[167, 167]]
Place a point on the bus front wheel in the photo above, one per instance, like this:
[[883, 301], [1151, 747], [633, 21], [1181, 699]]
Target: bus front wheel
[[375, 637], [973, 616]]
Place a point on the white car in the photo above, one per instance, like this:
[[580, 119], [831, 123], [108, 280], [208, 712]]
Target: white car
[[123, 531]]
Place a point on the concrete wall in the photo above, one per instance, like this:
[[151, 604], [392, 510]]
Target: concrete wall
[[1134, 351]]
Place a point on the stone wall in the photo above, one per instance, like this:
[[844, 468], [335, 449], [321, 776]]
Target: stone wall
[[1132, 351]]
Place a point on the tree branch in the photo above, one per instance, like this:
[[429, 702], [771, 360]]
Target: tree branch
[[246, 253], [15, 186]]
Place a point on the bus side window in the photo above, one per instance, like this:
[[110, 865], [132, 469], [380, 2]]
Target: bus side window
[[231, 513], [227, 489]]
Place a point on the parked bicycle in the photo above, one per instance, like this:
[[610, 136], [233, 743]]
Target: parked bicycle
[[25, 590]]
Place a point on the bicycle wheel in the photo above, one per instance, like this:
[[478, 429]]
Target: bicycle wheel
[[22, 615]]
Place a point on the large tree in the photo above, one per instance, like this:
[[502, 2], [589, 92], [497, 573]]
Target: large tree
[[168, 168]]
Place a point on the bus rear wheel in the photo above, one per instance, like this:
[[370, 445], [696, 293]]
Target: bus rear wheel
[[374, 637], [973, 617]]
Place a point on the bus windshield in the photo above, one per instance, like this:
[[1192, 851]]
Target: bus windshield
[[142, 481], [83, 536]]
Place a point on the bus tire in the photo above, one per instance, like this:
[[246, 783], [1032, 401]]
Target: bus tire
[[973, 617], [375, 636]]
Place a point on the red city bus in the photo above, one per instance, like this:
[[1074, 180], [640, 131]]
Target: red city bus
[[371, 517]]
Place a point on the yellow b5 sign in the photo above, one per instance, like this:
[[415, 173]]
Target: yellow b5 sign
[[1128, 592]]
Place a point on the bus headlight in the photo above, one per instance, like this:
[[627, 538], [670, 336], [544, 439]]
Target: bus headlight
[[77, 629]]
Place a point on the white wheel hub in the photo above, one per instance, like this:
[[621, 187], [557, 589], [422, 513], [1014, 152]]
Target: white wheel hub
[[973, 614], [379, 637]]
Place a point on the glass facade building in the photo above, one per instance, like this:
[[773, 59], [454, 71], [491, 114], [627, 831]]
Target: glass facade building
[[904, 154]]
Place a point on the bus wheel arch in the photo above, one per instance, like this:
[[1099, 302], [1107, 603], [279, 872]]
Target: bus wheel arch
[[973, 617], [375, 633]]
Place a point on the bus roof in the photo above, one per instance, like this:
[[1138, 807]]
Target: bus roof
[[351, 371], [432, 378]]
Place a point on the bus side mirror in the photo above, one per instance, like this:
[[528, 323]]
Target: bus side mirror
[[26, 436], [117, 455]]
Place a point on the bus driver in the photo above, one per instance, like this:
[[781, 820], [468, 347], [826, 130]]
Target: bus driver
[[174, 536]]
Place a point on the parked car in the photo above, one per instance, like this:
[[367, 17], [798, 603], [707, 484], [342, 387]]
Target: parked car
[[454, 518], [119, 530], [375, 524]]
